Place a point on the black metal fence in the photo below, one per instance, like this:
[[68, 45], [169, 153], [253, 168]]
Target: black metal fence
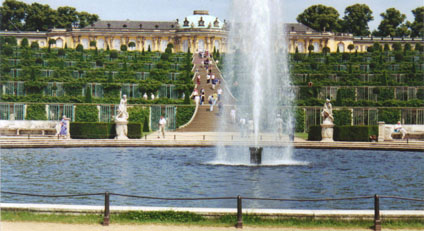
[[239, 224]]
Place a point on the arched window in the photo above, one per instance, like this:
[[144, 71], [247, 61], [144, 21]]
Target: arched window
[[163, 44], [59, 43], [299, 46], [84, 43], [132, 48], [216, 44], [201, 45], [116, 44], [317, 48], [185, 45], [148, 43], [101, 44], [341, 47]]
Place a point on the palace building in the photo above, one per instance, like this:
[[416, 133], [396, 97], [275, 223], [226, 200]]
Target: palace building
[[198, 32]]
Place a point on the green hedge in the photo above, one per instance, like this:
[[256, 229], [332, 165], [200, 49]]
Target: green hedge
[[342, 117], [36, 112], [86, 113], [354, 133], [345, 133], [300, 120], [137, 114], [389, 116], [314, 133], [88, 130], [184, 115]]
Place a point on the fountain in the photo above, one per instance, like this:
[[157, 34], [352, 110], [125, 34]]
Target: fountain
[[256, 71]]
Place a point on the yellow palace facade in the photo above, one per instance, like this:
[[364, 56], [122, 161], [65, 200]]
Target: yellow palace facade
[[199, 32]]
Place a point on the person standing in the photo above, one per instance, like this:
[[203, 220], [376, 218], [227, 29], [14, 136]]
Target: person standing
[[197, 81], [242, 126], [213, 80], [202, 97], [208, 78], [162, 124], [64, 127], [219, 91], [233, 115], [279, 124], [211, 102]]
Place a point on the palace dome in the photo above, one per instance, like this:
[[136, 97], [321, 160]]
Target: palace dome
[[201, 19]]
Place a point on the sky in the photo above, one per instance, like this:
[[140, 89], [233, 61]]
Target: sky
[[169, 10]]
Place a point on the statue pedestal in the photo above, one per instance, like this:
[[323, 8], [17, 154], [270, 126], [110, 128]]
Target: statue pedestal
[[327, 132], [121, 129]]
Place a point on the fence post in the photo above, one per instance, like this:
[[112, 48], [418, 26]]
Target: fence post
[[106, 217], [239, 224], [377, 221]]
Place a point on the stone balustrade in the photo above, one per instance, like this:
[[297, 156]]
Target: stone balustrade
[[30, 127], [386, 131]]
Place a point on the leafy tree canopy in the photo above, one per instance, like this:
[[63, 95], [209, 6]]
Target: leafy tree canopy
[[320, 18], [356, 19], [392, 24], [18, 15], [417, 26]]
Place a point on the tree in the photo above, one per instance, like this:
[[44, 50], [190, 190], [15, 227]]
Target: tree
[[386, 47], [417, 26], [93, 44], [397, 46], [356, 19], [407, 47], [24, 42], [88, 97], [40, 17], [169, 47], [377, 47], [34, 45], [11, 41], [131, 45], [326, 50], [13, 15], [320, 18], [51, 42], [418, 47], [124, 47], [86, 19], [148, 49], [79, 48], [391, 24], [351, 47], [66, 17], [310, 48]]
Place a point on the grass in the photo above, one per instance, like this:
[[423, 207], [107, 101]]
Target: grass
[[302, 135], [187, 218]]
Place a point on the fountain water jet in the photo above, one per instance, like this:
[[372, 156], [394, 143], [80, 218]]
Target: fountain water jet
[[256, 71]]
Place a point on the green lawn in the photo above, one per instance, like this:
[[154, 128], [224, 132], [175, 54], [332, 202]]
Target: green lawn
[[302, 135], [187, 218]]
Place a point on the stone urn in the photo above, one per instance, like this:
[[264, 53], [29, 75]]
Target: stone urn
[[121, 129], [327, 130]]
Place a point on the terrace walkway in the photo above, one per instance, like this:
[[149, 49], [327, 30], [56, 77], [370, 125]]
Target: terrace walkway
[[205, 120]]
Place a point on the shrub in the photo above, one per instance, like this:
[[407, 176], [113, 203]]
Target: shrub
[[385, 94], [184, 115], [397, 46], [419, 47], [314, 133], [342, 117], [354, 133], [398, 57], [138, 114], [84, 130], [34, 45], [79, 48], [386, 47], [87, 130], [36, 112], [389, 115], [7, 50], [113, 54], [134, 130], [24, 42], [146, 125], [86, 113], [300, 120], [61, 52], [345, 133], [124, 47]]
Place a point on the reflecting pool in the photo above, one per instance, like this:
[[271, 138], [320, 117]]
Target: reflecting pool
[[190, 172]]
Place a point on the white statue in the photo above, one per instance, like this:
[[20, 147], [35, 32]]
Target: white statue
[[122, 113], [327, 122], [121, 120], [145, 96], [327, 113], [152, 96]]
